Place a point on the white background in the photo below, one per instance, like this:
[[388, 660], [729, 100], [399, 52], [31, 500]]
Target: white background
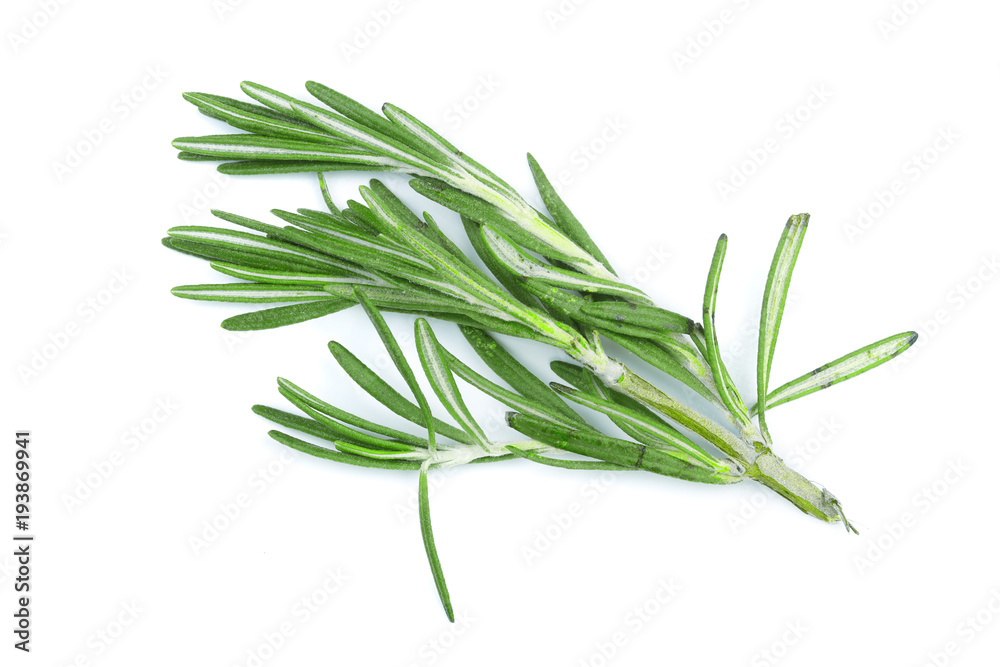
[[747, 566]]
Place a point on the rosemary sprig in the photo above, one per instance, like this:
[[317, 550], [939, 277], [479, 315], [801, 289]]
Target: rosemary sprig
[[548, 281]]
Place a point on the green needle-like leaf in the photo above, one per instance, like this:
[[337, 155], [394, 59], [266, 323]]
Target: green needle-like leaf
[[509, 398], [250, 293], [428, 535], [569, 464], [775, 294], [650, 317], [617, 451], [259, 146], [257, 119], [341, 457], [396, 354], [255, 167], [727, 391], [241, 257], [228, 239], [563, 217], [437, 371], [321, 412], [380, 390], [272, 318], [517, 375], [331, 416], [292, 277], [585, 381], [339, 126], [484, 213], [672, 364], [355, 111], [527, 267], [297, 422], [841, 369], [643, 424]]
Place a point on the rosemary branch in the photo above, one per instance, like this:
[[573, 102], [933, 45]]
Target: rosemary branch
[[548, 281]]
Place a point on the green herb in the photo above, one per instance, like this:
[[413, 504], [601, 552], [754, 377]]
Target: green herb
[[548, 281]]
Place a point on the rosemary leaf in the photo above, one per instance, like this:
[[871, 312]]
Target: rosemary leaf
[[650, 317], [292, 277], [515, 374], [438, 372], [256, 119], [396, 354], [723, 383], [259, 146], [524, 265], [642, 424], [335, 419], [380, 390], [355, 111], [585, 381], [341, 457], [484, 213], [614, 450], [297, 422], [424, 508], [775, 294], [509, 398], [563, 217], [253, 244], [844, 368], [272, 318], [239, 257], [250, 293], [255, 167], [655, 355], [569, 464]]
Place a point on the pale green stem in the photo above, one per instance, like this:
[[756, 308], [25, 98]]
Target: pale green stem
[[756, 457]]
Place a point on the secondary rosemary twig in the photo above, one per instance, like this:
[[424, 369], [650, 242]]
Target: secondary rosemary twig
[[548, 281]]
